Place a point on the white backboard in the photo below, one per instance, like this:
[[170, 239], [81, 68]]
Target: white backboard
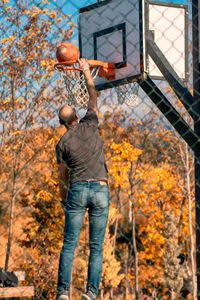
[[168, 23], [113, 31]]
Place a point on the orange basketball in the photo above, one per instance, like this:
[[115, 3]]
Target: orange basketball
[[67, 52]]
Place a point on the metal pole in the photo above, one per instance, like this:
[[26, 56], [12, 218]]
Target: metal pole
[[196, 87], [170, 113]]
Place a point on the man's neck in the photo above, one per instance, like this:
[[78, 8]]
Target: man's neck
[[71, 125]]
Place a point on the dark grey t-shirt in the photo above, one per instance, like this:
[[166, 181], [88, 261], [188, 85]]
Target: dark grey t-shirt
[[82, 150]]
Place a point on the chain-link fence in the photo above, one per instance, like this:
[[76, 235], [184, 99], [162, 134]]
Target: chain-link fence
[[150, 132]]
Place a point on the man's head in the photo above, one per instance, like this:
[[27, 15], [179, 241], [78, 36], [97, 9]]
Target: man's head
[[67, 115]]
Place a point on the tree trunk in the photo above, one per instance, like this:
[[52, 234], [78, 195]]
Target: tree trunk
[[180, 221], [116, 228], [70, 291], [172, 295], [190, 222], [126, 280], [12, 205], [135, 252], [134, 232], [117, 219], [12, 208], [101, 294], [111, 294], [188, 169]]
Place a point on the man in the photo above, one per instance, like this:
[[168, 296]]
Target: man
[[80, 150]]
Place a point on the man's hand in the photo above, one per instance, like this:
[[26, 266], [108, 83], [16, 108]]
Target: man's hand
[[83, 64]]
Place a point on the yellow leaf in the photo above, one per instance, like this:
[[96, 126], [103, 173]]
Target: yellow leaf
[[7, 101], [16, 132], [6, 40]]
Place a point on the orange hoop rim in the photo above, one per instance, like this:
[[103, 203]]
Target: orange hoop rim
[[106, 69]]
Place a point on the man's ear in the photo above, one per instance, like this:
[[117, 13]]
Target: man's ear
[[61, 121]]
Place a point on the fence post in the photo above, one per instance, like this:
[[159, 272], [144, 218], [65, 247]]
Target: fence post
[[196, 87]]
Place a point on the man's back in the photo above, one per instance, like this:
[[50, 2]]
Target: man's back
[[82, 150]]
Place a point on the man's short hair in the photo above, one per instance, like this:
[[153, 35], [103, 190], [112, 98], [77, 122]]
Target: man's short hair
[[67, 120]]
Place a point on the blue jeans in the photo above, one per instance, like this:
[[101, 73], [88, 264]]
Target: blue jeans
[[82, 196]]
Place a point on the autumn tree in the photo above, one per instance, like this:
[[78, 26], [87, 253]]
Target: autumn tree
[[156, 168], [185, 167], [157, 197], [174, 271], [122, 158], [27, 50]]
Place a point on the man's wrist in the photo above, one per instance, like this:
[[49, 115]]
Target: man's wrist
[[86, 69]]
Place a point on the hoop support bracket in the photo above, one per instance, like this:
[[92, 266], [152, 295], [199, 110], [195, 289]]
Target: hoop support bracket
[[106, 69]]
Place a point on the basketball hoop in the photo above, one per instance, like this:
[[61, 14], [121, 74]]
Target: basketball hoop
[[74, 79], [128, 94]]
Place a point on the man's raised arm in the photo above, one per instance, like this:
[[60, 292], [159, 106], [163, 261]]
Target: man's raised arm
[[84, 66]]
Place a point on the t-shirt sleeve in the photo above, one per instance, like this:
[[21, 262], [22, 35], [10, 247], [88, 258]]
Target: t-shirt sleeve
[[90, 117], [61, 154]]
